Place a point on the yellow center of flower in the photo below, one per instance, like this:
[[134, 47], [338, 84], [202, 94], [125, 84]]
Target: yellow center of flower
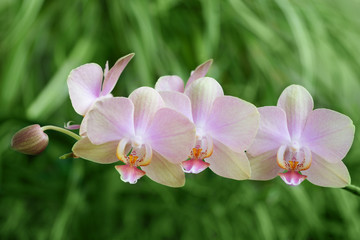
[[134, 153], [132, 159], [293, 164], [202, 143], [294, 158]]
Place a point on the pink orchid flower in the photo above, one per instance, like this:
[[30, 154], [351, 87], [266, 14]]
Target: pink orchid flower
[[175, 83], [86, 86], [140, 132], [294, 137], [225, 127]]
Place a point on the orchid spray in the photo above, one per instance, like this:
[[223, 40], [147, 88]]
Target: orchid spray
[[172, 129]]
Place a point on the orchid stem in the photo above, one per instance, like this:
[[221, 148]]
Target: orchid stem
[[353, 189], [62, 130]]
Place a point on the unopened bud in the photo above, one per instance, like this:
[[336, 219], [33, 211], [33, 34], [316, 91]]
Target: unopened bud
[[30, 140]]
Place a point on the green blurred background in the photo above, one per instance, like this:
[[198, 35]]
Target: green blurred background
[[259, 47]]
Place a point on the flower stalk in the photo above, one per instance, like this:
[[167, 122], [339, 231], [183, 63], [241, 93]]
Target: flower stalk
[[62, 130], [353, 189]]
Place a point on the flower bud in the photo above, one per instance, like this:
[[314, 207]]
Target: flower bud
[[30, 140]]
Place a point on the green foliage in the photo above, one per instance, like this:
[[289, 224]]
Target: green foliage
[[258, 47]]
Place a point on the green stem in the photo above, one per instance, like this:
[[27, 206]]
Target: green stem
[[62, 130], [353, 189]]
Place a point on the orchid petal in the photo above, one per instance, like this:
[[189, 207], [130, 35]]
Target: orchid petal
[[110, 119], [114, 73], [227, 163], [202, 94], [171, 134], [84, 85], [164, 172], [297, 103], [83, 126], [272, 131], [177, 101], [234, 122], [170, 83], [328, 134], [325, 174], [104, 153], [129, 174], [147, 102], [199, 72]]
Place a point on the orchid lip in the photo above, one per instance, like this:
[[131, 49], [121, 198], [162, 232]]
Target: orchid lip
[[194, 166], [203, 149], [129, 174], [294, 159], [292, 178]]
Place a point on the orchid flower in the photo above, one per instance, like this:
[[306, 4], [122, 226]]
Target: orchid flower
[[175, 83], [294, 137], [140, 132], [225, 127], [86, 86]]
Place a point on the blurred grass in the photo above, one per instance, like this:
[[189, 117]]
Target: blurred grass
[[258, 47]]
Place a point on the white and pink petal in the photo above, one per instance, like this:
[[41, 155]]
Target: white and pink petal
[[199, 72], [171, 134], [177, 101], [233, 122], [83, 126], [112, 76], [84, 84], [170, 83], [329, 134], [272, 132], [110, 119]]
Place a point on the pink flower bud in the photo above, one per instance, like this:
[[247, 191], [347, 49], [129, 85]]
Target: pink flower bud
[[30, 140]]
